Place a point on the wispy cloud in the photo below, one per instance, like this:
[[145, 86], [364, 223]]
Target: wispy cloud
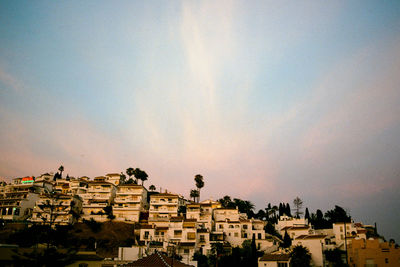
[[10, 81]]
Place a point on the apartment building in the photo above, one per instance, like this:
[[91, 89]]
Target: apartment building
[[130, 201], [17, 200], [372, 252], [56, 209], [99, 195], [113, 178], [163, 206]]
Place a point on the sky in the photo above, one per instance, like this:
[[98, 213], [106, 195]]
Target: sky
[[268, 100]]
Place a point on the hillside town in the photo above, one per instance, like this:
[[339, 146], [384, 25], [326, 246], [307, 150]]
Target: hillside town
[[168, 226]]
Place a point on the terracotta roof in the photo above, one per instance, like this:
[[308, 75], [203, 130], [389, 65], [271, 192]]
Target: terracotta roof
[[275, 257], [159, 260]]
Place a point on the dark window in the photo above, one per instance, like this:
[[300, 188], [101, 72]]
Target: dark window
[[16, 212], [9, 211], [259, 235]]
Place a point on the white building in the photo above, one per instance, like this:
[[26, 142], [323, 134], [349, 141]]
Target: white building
[[315, 245], [18, 200], [56, 209], [99, 195], [130, 201], [163, 206]]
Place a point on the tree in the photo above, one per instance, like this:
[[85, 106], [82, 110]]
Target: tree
[[194, 194], [140, 175], [152, 188], [287, 210], [300, 256], [109, 211], [334, 256], [199, 184], [287, 241], [122, 178], [61, 169], [298, 204], [226, 202], [307, 215], [130, 171], [338, 214]]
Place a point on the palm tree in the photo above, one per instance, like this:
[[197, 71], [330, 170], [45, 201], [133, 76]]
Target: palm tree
[[140, 175], [199, 184], [194, 194], [152, 188], [61, 169], [130, 171], [300, 256]]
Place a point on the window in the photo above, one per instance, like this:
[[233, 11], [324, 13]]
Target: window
[[177, 233], [341, 228], [9, 211], [236, 235], [146, 234], [221, 226], [230, 226], [386, 260], [186, 251], [282, 264], [229, 234], [245, 235], [16, 212], [245, 226], [4, 211], [83, 265], [259, 235]]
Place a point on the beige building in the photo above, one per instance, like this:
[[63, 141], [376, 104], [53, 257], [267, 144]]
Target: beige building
[[130, 201]]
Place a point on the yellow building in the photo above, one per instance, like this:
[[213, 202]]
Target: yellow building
[[372, 252]]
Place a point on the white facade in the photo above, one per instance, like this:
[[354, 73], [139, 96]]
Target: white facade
[[315, 245], [129, 202], [99, 195]]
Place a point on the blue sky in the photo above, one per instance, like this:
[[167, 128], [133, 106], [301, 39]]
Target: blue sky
[[267, 100]]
